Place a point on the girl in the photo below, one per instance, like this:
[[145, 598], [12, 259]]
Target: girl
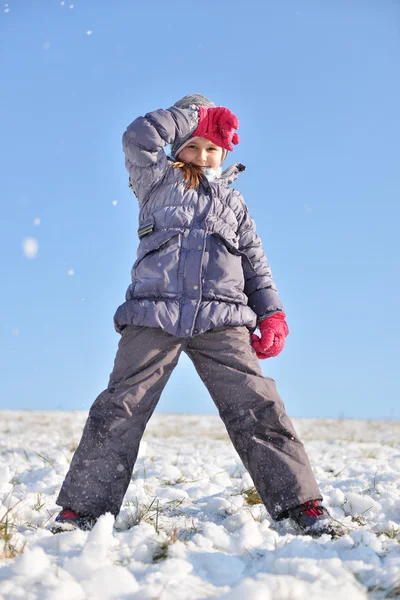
[[201, 284]]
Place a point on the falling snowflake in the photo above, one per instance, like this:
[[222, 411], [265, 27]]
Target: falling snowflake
[[71, 272], [62, 3], [115, 202], [89, 32], [15, 332], [71, 6], [36, 221], [46, 45], [30, 247]]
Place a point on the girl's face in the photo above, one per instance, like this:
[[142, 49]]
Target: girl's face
[[203, 153]]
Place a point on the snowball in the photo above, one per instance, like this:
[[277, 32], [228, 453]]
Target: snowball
[[30, 247]]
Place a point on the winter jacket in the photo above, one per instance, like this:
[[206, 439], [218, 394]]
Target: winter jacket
[[200, 263]]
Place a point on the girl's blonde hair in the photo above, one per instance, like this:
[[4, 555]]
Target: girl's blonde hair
[[191, 173]]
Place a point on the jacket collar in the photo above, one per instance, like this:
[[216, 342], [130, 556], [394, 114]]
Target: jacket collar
[[230, 174]]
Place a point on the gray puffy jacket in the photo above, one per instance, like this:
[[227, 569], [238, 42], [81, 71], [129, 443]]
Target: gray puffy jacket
[[200, 263]]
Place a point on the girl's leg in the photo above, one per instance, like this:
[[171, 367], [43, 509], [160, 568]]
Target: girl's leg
[[102, 465], [255, 418]]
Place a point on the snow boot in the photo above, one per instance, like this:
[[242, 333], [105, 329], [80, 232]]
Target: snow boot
[[313, 519], [69, 520]]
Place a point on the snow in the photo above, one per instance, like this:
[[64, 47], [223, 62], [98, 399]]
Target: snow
[[30, 247], [186, 530]]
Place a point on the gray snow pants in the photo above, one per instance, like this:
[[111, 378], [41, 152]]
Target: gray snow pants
[[248, 404]]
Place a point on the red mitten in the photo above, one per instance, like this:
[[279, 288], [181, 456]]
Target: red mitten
[[273, 329], [218, 125]]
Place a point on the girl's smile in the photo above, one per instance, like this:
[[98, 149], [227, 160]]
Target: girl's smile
[[202, 152]]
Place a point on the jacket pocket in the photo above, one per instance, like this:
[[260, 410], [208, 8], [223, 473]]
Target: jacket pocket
[[233, 246], [224, 276], [155, 272], [227, 235]]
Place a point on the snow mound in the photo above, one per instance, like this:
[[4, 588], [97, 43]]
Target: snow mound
[[186, 530]]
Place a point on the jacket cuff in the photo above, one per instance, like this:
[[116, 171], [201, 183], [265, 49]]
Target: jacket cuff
[[265, 316], [185, 126], [264, 302]]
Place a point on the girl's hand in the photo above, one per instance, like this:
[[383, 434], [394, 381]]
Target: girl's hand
[[218, 125], [273, 329]]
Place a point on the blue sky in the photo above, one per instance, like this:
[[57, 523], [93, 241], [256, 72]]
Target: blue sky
[[316, 88]]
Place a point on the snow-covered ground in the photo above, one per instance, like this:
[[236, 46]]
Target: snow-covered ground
[[186, 529]]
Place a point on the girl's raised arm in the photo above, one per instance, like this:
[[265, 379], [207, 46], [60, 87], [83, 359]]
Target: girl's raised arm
[[144, 140]]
